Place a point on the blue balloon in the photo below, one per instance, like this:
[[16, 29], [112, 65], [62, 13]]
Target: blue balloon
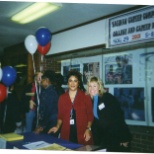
[[9, 75], [43, 36]]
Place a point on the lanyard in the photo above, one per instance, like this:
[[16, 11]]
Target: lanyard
[[71, 113]]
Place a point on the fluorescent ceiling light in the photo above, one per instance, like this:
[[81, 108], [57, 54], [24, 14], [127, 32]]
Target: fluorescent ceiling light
[[35, 11]]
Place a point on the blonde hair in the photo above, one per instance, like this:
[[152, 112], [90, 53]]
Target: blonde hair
[[99, 82]]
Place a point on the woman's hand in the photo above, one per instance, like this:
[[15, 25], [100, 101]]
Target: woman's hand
[[53, 130], [87, 135], [31, 104]]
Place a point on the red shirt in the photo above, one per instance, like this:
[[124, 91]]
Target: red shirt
[[84, 114], [33, 90]]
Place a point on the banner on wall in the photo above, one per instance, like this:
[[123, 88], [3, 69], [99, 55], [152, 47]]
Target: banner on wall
[[132, 27]]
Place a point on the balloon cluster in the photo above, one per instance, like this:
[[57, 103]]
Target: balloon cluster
[[7, 77], [41, 41]]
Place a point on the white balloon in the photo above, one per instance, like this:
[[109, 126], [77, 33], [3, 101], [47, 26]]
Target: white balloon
[[31, 44], [1, 73]]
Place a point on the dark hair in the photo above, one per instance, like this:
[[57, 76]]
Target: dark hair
[[81, 86], [59, 79], [73, 73], [78, 75], [50, 74]]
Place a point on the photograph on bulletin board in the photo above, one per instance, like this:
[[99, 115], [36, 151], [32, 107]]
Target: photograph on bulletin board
[[90, 69], [146, 60], [118, 69], [132, 102], [66, 70]]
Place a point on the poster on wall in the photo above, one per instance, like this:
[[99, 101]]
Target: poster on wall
[[90, 69], [67, 68], [132, 27], [147, 60], [132, 102], [118, 69], [87, 66]]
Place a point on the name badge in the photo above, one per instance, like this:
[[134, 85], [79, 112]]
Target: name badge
[[101, 106], [71, 121]]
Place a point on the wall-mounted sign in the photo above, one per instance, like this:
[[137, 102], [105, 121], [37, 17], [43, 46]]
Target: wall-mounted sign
[[133, 27]]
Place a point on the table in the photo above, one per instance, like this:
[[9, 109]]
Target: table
[[32, 137]]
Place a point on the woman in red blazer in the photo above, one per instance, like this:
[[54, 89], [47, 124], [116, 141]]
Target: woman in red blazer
[[75, 113]]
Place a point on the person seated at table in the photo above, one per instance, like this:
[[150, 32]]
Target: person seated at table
[[75, 114], [48, 108]]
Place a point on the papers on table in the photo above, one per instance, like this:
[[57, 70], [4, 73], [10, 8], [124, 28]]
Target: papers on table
[[54, 146], [102, 150], [36, 145], [41, 145], [2, 143], [90, 148], [11, 136]]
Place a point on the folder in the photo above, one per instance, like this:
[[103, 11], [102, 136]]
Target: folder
[[54, 146], [11, 136], [42, 145]]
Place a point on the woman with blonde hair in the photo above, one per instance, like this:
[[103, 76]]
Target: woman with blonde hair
[[109, 129]]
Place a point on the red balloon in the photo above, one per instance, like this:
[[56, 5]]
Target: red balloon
[[3, 92], [44, 49]]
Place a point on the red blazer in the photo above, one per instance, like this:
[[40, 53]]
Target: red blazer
[[84, 113]]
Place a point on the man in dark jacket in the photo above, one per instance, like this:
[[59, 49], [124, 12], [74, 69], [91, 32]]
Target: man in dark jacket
[[48, 107]]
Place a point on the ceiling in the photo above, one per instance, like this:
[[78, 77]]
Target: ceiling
[[70, 15]]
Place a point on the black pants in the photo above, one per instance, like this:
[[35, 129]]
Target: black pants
[[104, 140]]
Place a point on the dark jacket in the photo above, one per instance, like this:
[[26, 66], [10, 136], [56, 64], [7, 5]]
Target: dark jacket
[[10, 106], [110, 129], [48, 109]]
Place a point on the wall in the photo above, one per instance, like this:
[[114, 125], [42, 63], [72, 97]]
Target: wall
[[143, 139], [77, 38]]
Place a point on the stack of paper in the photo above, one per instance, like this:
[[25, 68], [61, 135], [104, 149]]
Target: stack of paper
[[36, 145], [11, 136]]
